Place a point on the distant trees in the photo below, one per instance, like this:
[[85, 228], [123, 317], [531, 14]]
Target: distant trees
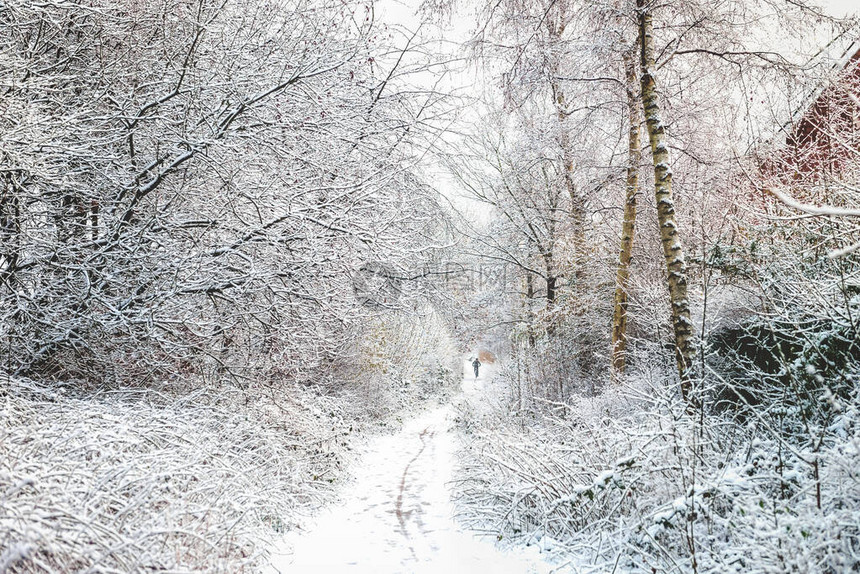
[[585, 77], [525, 186], [586, 58], [190, 187]]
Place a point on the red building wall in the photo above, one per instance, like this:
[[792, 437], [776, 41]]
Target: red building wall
[[825, 142]]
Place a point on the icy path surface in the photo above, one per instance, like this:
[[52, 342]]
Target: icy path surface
[[397, 516]]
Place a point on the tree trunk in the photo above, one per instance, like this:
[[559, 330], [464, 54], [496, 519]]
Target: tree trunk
[[556, 27], [10, 229], [530, 294], [673, 249], [577, 201], [550, 290], [622, 277]]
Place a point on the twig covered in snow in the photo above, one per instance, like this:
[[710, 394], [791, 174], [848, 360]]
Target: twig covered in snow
[[137, 482], [630, 481]]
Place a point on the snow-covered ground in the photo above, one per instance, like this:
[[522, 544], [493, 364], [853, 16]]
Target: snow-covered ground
[[397, 514]]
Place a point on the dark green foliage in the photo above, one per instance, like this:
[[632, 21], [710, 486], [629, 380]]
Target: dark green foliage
[[800, 354], [760, 358]]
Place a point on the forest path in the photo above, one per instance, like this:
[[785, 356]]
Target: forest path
[[397, 516]]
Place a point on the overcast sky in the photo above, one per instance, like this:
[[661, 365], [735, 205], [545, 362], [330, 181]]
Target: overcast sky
[[843, 7]]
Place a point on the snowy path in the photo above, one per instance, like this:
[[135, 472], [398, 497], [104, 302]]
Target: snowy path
[[397, 518]]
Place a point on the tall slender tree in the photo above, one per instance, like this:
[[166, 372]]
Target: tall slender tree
[[634, 157], [673, 248]]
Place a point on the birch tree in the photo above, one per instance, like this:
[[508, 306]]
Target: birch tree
[[673, 249], [552, 57], [519, 179], [634, 157]]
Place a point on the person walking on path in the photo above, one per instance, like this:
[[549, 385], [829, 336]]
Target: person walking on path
[[476, 364]]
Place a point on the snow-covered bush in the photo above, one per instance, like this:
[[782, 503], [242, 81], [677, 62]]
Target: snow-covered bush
[[141, 481], [631, 481], [401, 358]]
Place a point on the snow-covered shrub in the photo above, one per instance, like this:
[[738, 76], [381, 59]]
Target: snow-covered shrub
[[805, 341], [399, 359], [631, 481], [141, 481], [560, 354]]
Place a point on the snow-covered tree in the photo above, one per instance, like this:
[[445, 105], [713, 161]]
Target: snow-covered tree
[[192, 187]]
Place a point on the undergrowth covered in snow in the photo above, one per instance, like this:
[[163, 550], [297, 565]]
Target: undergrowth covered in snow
[[632, 481], [200, 477], [141, 481]]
